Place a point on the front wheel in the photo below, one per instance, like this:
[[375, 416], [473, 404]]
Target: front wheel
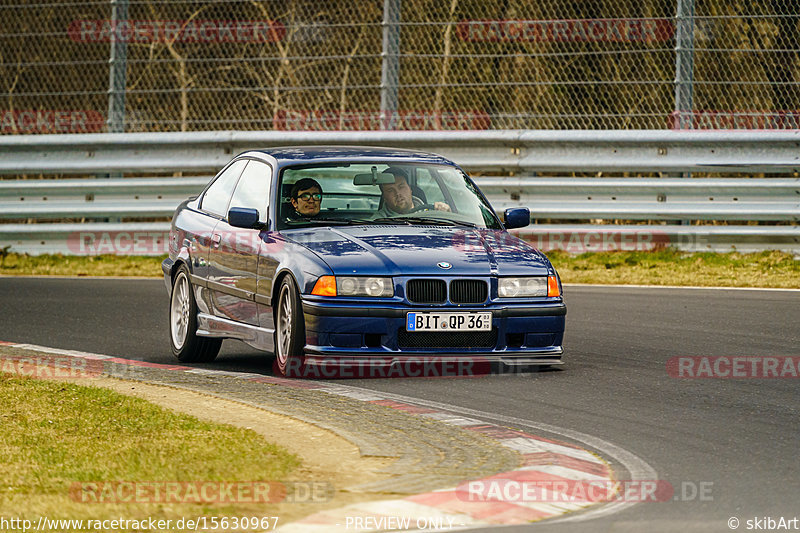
[[187, 346], [290, 335]]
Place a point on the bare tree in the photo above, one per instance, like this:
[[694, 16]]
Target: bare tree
[[447, 39], [784, 61], [346, 76]]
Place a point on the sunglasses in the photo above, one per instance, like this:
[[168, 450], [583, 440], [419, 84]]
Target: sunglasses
[[308, 196]]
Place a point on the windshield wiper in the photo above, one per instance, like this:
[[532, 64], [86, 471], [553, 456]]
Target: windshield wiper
[[392, 220], [463, 223], [336, 221], [407, 221], [426, 220]]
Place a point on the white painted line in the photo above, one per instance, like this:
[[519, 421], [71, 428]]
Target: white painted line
[[565, 472], [525, 445], [207, 372], [251, 375], [59, 351], [408, 508], [555, 508], [364, 396], [454, 420]]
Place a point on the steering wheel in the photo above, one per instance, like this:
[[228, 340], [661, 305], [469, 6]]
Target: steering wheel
[[423, 207]]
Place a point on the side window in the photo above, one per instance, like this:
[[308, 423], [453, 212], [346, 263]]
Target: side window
[[253, 188], [428, 184], [215, 200]]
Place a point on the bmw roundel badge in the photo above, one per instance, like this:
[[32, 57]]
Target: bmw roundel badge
[[444, 264]]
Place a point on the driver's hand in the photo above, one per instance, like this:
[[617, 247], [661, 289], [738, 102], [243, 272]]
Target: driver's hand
[[441, 206]]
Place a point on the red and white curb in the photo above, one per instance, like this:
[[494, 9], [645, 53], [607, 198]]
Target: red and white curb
[[546, 462]]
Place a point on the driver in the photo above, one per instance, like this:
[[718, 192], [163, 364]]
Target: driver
[[397, 197]]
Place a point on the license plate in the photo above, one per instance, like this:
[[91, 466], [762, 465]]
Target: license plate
[[448, 322]]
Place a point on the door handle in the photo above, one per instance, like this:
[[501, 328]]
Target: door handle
[[216, 238]]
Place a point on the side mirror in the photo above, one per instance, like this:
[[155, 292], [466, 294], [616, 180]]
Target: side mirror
[[243, 217], [517, 217]]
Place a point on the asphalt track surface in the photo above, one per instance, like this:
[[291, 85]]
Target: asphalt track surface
[[737, 436]]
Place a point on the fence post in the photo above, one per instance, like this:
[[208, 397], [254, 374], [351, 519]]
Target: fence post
[[684, 64], [390, 63], [118, 66]]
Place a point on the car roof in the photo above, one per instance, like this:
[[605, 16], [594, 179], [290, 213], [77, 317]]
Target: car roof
[[299, 155]]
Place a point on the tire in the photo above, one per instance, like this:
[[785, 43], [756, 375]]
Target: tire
[[186, 345], [290, 334]]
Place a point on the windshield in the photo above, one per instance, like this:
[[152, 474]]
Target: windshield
[[381, 193]]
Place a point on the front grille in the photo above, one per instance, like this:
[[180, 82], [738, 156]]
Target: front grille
[[426, 291], [468, 291], [449, 339]]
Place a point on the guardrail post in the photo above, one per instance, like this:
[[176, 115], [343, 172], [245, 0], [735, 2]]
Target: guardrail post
[[390, 63], [118, 66], [684, 64]]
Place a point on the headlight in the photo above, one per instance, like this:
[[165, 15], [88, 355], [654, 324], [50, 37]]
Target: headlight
[[376, 287], [354, 286], [522, 287]]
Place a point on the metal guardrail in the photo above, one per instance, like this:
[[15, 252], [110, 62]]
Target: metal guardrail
[[90, 238], [511, 150], [772, 200], [731, 199], [95, 198], [738, 199]]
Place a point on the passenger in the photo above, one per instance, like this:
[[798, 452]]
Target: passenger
[[306, 198]]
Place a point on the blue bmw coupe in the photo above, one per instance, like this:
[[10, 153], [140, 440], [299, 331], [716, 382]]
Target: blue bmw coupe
[[336, 256]]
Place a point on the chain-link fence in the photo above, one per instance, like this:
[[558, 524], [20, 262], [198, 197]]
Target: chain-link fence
[[184, 65]]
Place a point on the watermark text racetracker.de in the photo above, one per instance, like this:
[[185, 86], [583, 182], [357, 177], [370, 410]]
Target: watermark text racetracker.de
[[640, 239], [201, 492], [199, 523], [118, 242], [431, 367], [47, 366], [54, 366], [733, 367], [602, 240], [534, 490], [21, 121], [182, 31]]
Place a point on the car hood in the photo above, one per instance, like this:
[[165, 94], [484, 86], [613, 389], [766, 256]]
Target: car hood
[[414, 250]]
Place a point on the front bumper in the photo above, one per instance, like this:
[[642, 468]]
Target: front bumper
[[522, 334]]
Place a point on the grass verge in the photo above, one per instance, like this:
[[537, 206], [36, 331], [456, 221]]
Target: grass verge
[[12, 264], [672, 267], [663, 267], [56, 434]]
